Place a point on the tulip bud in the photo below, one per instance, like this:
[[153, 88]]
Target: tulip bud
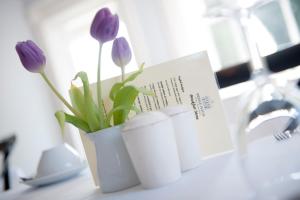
[[105, 26], [31, 56], [121, 53]]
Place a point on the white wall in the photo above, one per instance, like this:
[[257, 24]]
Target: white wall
[[26, 105], [163, 30]]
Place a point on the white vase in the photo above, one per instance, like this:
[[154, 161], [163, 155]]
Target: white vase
[[187, 136], [91, 156], [150, 140], [114, 167]]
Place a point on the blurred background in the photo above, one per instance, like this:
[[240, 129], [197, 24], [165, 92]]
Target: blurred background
[[158, 31]]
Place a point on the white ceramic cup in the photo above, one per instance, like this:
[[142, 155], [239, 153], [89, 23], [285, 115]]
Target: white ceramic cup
[[187, 136], [151, 144], [57, 159]]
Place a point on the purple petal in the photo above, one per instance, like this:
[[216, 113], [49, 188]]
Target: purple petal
[[31, 56], [108, 29]]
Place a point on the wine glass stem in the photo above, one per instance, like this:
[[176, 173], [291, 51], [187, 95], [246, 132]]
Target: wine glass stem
[[258, 64]]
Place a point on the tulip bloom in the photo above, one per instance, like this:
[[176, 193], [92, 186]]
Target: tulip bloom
[[121, 53], [31, 56], [105, 26]]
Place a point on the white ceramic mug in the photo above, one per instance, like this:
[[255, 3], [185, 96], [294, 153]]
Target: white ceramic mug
[[187, 136], [151, 144]]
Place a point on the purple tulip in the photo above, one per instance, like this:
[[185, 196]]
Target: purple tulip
[[31, 56], [121, 53], [105, 26]]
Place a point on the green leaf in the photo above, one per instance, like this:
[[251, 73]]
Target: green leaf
[[115, 88], [63, 117], [95, 107], [111, 112], [60, 116], [121, 108], [79, 123], [77, 100], [125, 98], [95, 123], [134, 75]]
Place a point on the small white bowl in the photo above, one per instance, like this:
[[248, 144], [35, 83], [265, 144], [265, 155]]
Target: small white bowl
[[57, 159]]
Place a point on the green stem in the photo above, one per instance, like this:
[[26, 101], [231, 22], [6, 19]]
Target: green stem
[[123, 73], [99, 89], [58, 95]]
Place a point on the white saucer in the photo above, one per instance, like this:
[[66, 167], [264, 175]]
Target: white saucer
[[53, 178]]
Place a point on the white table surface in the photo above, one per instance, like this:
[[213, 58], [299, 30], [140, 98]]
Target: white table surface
[[219, 177]]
